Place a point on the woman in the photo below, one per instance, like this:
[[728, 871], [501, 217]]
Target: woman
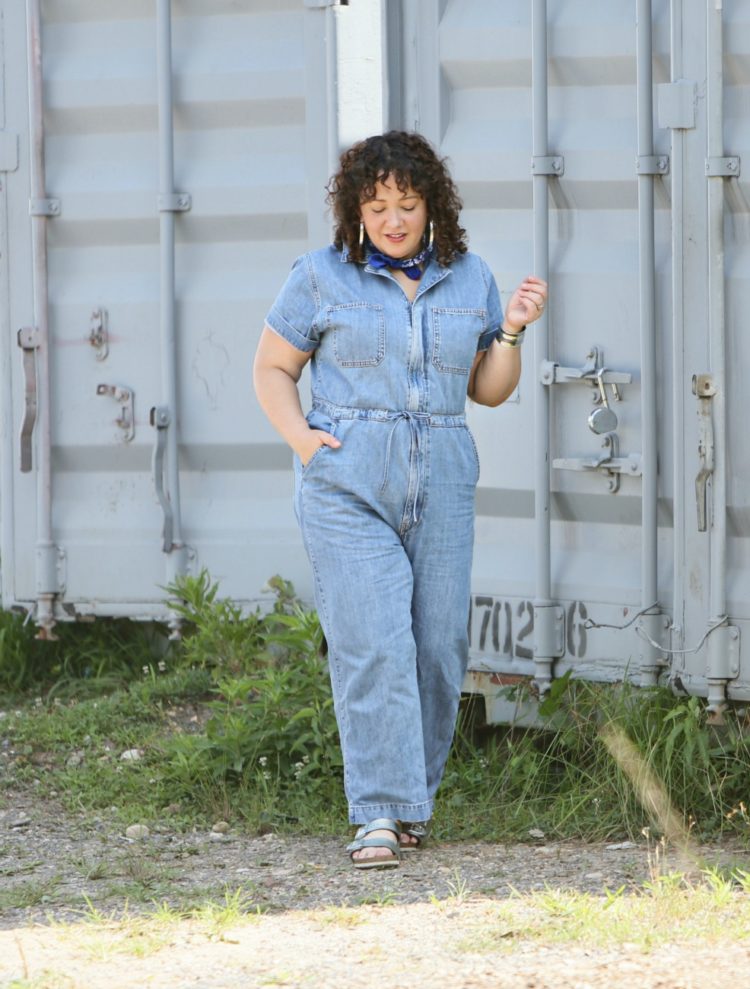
[[401, 323]]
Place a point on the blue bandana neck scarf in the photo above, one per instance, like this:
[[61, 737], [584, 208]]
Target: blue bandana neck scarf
[[410, 266]]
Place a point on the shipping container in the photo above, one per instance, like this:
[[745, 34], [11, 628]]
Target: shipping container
[[162, 164]]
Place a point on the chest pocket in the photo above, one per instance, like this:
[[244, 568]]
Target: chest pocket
[[455, 333], [358, 333]]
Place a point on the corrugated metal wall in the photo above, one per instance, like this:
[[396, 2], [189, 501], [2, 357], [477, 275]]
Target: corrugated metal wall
[[255, 136]]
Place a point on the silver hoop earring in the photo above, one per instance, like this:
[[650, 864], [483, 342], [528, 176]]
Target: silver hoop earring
[[432, 235], [361, 233]]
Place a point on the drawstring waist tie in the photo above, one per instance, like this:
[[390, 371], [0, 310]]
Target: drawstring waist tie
[[416, 421]]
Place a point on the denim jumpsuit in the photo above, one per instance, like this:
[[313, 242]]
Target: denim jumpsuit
[[388, 517]]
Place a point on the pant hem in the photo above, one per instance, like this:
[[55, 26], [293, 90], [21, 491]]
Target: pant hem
[[364, 813]]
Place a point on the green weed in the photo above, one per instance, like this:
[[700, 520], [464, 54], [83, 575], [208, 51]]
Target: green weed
[[272, 727], [86, 658], [568, 781], [29, 894]]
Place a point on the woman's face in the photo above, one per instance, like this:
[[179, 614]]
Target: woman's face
[[394, 220]]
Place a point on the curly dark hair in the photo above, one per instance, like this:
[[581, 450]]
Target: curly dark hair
[[411, 160]]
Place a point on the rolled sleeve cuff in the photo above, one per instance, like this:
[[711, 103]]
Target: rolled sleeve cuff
[[276, 322], [485, 341]]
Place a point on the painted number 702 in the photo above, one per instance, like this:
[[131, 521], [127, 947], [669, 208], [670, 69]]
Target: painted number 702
[[506, 628]]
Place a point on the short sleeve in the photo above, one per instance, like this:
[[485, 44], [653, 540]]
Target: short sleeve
[[494, 310], [293, 314]]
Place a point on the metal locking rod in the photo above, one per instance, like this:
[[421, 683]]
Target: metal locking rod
[[28, 341]]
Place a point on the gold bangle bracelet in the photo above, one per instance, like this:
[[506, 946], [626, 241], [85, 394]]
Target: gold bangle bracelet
[[510, 339]]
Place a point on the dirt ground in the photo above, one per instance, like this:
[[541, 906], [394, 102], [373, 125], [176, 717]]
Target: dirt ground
[[309, 919]]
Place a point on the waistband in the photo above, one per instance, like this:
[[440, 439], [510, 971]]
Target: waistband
[[387, 415]]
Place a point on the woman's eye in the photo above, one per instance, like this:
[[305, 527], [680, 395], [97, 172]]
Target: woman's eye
[[377, 212], [409, 209]]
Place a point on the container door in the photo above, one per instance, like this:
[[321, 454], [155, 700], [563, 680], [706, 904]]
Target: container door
[[251, 159], [712, 292], [476, 104]]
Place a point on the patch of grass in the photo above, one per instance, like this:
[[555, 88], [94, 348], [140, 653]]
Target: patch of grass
[[216, 917], [21, 896], [385, 898], [671, 907], [73, 749], [18, 869], [149, 930], [86, 658], [340, 917]]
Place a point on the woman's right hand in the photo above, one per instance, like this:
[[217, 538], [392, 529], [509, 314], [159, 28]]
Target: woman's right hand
[[312, 442]]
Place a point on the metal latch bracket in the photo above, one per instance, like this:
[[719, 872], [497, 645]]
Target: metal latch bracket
[[549, 631], [44, 207], [652, 164], [727, 168], [723, 653], [548, 165], [179, 202], [99, 333], [608, 462], [126, 400]]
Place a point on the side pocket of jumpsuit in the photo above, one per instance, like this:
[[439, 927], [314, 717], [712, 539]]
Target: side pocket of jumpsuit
[[318, 420], [474, 453], [315, 420]]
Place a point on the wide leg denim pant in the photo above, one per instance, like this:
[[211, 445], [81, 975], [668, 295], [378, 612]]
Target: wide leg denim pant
[[388, 524]]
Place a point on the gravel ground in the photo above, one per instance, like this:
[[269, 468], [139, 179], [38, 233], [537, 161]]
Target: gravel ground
[[320, 923]]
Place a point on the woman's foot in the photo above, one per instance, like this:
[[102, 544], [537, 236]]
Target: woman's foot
[[376, 845]]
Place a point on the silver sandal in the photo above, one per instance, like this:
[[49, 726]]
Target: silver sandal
[[362, 841], [415, 829]]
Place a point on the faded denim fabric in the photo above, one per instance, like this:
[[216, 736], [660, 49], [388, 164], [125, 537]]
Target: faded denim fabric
[[388, 518]]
